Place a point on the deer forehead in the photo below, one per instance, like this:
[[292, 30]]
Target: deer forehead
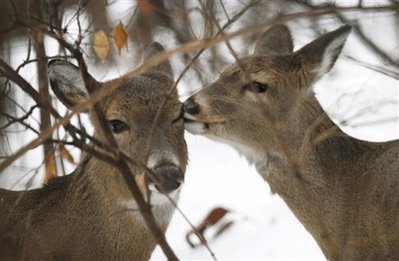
[[147, 85], [142, 95], [261, 69], [130, 104]]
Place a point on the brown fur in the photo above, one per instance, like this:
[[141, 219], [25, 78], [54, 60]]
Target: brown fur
[[343, 190], [90, 214]]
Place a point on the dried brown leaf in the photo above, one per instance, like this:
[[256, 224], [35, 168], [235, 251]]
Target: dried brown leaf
[[120, 36], [51, 168], [65, 154], [214, 217], [101, 44]]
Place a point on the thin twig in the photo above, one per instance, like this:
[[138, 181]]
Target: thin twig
[[21, 119], [360, 33]]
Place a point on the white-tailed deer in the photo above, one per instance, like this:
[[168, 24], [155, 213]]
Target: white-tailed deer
[[91, 214], [343, 190]]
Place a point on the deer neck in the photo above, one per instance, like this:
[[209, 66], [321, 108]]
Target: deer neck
[[102, 184], [96, 183], [326, 177], [318, 141], [309, 140]]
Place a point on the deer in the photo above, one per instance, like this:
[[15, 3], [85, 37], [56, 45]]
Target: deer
[[343, 190], [91, 214]]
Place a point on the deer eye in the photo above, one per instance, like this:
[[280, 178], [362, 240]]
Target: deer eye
[[260, 87], [256, 87], [117, 126]]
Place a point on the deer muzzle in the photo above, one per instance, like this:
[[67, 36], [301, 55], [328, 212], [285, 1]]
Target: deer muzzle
[[169, 178], [190, 106], [192, 123]]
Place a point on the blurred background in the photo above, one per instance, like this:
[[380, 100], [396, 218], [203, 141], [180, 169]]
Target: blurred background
[[360, 94]]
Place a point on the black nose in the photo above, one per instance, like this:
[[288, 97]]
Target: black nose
[[169, 177], [191, 106]]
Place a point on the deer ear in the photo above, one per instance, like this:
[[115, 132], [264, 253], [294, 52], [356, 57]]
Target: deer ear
[[276, 40], [321, 54], [164, 67], [67, 83]]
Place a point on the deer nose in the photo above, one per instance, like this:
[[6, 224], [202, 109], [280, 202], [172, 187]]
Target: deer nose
[[191, 106], [170, 177]]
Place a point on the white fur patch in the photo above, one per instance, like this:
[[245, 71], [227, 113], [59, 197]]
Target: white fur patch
[[251, 96], [130, 205], [158, 198], [195, 127], [165, 156], [162, 212], [252, 156]]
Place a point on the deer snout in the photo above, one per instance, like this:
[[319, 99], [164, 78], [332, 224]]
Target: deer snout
[[192, 117], [169, 177], [190, 106]]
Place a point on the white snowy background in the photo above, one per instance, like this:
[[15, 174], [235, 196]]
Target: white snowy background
[[264, 228]]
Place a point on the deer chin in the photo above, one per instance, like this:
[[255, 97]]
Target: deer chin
[[194, 126], [157, 198]]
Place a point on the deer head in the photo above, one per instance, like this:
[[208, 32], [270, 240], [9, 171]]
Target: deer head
[[130, 111], [264, 90]]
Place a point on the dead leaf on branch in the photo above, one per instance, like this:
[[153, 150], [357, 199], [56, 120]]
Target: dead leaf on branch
[[215, 219], [101, 44], [65, 154], [120, 36], [50, 168]]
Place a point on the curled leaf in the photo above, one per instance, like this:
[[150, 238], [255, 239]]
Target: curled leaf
[[120, 36], [101, 44], [50, 168], [65, 154], [215, 219]]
